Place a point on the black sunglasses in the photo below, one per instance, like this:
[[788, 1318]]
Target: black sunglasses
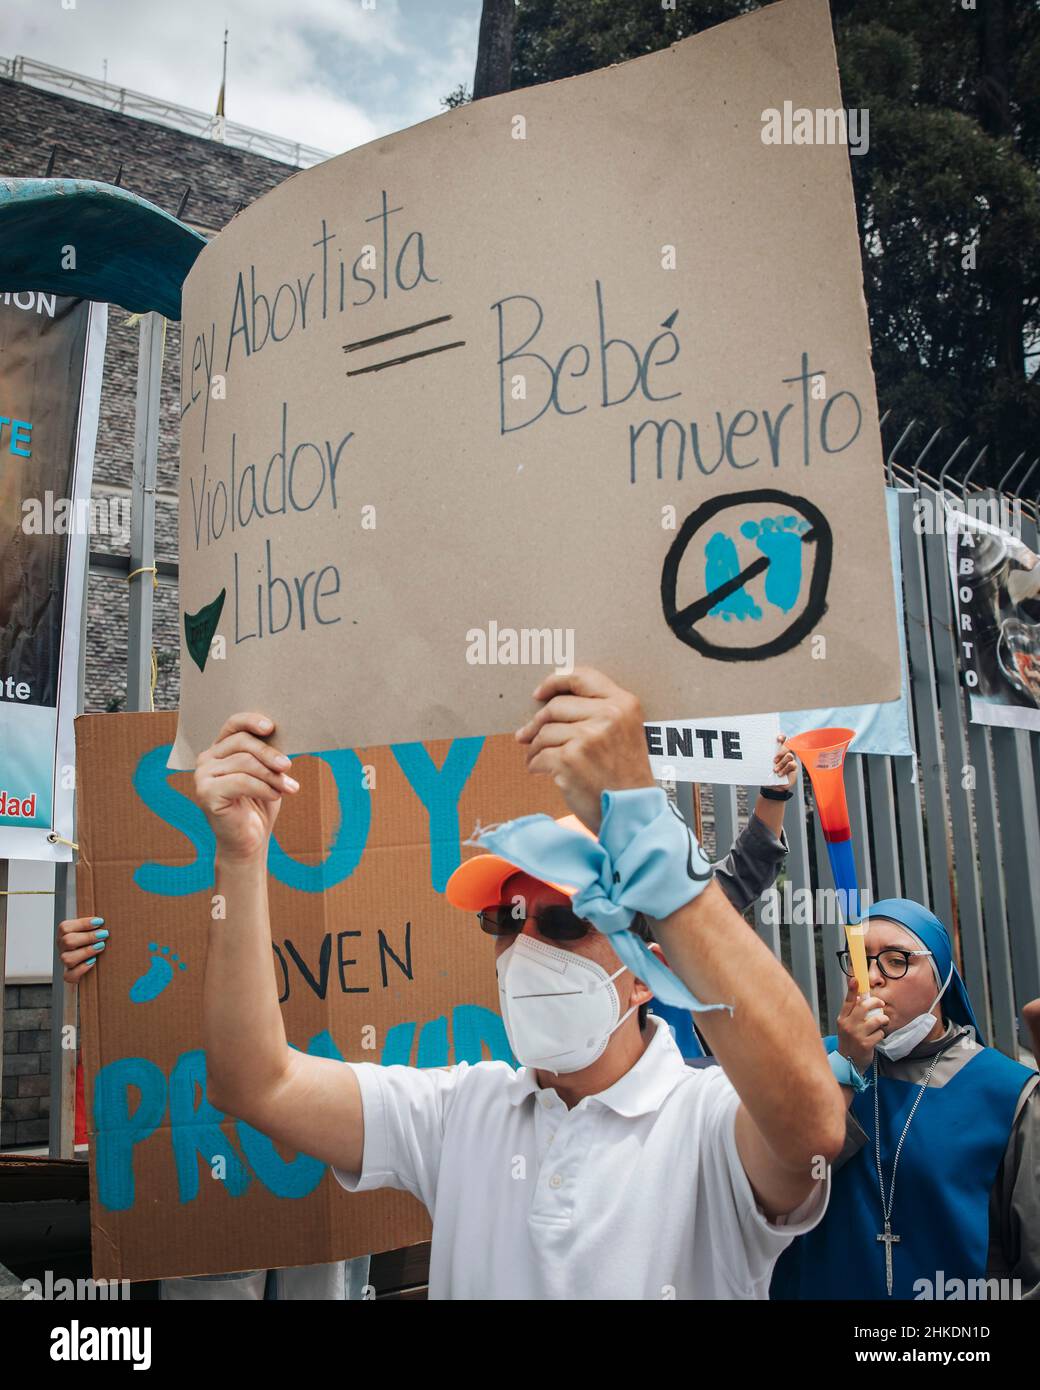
[[554, 921]]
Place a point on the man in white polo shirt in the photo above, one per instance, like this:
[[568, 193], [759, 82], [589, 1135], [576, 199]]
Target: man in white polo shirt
[[604, 1167]]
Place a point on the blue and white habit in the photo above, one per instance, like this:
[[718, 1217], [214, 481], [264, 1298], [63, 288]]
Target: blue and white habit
[[967, 1192]]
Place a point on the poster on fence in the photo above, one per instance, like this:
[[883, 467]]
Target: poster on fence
[[996, 585], [371, 962], [475, 402], [52, 350]]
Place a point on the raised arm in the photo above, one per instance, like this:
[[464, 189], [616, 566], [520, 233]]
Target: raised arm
[[588, 737], [792, 1116], [752, 864], [311, 1104]]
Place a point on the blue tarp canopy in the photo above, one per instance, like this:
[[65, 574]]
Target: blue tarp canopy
[[127, 250]]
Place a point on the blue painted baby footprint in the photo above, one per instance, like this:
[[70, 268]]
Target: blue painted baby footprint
[[158, 975], [780, 539], [721, 564]]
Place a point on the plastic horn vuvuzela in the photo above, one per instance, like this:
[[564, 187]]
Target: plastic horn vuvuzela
[[822, 754]]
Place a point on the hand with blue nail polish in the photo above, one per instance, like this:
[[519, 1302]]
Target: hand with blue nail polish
[[81, 940]]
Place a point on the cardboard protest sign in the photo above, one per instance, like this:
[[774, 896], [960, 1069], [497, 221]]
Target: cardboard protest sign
[[734, 751], [996, 587], [579, 373], [371, 962]]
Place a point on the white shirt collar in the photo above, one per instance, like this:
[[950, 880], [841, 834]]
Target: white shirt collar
[[642, 1089]]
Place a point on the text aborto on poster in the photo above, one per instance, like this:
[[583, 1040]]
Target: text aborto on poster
[[996, 586], [585, 366]]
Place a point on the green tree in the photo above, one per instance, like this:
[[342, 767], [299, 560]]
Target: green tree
[[460, 96], [947, 195]]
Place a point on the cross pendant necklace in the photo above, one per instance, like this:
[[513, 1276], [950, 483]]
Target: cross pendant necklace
[[886, 1207], [889, 1240]]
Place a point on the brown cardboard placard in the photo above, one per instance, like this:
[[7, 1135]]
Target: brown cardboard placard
[[530, 384], [357, 917]]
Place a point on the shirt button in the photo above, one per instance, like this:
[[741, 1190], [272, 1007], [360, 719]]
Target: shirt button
[[556, 1180]]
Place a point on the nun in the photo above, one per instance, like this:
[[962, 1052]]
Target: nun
[[936, 1194]]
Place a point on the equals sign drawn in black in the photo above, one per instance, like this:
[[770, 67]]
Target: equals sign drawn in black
[[400, 333]]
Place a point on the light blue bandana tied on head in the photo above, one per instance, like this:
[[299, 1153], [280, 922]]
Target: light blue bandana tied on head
[[646, 859]]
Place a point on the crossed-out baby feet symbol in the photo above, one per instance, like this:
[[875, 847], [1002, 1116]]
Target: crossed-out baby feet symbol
[[158, 975], [779, 539]]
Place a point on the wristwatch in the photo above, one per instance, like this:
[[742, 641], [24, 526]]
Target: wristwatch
[[776, 793], [846, 1073]]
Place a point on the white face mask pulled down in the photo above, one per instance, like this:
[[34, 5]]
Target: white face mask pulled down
[[903, 1040], [559, 1008]]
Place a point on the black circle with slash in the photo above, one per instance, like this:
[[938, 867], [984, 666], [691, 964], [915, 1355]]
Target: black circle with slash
[[683, 621]]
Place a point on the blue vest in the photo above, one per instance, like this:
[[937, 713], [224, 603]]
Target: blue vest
[[948, 1165]]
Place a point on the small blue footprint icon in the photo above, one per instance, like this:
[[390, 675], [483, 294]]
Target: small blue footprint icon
[[158, 975], [780, 538], [721, 564]]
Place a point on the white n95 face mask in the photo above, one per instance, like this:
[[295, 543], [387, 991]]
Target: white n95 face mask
[[903, 1041], [559, 1008]]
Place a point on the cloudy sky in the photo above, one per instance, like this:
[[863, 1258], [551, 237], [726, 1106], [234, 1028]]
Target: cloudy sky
[[329, 73]]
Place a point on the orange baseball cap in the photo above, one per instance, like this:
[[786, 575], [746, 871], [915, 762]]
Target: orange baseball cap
[[477, 882]]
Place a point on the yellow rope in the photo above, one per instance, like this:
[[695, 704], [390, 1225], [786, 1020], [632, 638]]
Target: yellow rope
[[154, 572]]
